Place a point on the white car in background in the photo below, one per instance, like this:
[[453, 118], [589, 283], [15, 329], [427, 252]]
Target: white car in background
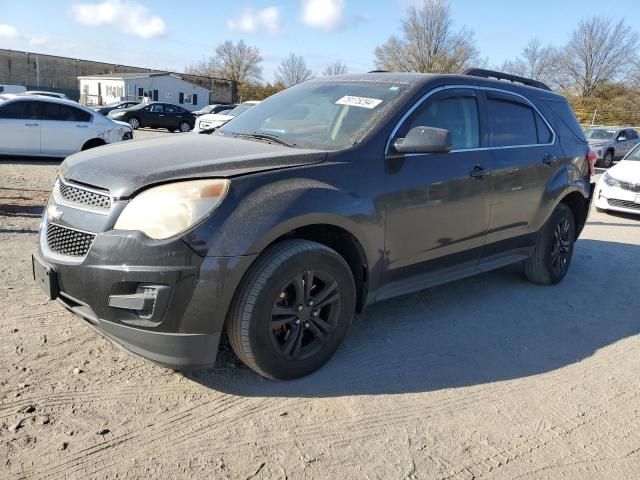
[[206, 123], [619, 187], [53, 127]]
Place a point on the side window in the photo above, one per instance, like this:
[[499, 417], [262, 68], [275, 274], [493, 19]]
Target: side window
[[631, 134], [511, 123], [157, 108], [171, 109], [456, 113], [14, 110], [544, 134], [63, 113]]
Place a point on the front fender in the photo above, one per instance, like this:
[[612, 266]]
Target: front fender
[[257, 211]]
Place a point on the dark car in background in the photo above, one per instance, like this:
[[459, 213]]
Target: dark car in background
[[215, 108], [326, 197], [156, 115], [115, 106]]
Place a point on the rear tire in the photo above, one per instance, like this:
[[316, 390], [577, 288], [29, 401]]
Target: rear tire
[[552, 254], [134, 122], [292, 310]]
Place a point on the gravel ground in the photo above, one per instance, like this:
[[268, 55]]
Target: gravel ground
[[488, 377]]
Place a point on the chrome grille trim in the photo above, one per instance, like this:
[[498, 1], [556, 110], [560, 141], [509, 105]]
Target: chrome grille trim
[[614, 202], [81, 197]]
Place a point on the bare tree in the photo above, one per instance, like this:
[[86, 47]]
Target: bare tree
[[536, 61], [335, 68], [292, 70], [238, 62], [429, 42], [600, 50]]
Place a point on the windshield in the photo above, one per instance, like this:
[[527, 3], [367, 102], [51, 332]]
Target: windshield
[[599, 134], [319, 114], [635, 154], [238, 110]]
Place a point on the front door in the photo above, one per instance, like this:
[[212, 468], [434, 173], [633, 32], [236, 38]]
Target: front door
[[437, 205], [20, 128]]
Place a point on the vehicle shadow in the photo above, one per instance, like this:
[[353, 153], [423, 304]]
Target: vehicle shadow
[[483, 329], [30, 160]]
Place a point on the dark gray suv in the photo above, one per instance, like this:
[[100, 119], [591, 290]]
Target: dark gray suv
[[329, 196]]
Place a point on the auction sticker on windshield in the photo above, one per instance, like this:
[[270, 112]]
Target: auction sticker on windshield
[[364, 102]]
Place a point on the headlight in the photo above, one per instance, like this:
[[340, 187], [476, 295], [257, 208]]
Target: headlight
[[609, 180], [165, 211]]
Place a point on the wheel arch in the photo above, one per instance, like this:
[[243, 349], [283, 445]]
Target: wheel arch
[[345, 243], [579, 208], [93, 142]]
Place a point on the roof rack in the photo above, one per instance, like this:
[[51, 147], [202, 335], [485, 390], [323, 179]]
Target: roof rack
[[379, 71], [481, 72]]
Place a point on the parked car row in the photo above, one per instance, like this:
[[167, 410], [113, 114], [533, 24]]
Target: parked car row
[[206, 123], [611, 143], [36, 125]]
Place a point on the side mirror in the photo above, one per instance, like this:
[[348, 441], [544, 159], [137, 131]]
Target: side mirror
[[424, 140], [622, 138]]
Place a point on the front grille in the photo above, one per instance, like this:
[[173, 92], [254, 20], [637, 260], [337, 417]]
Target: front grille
[[66, 241], [632, 187], [80, 196], [614, 202]]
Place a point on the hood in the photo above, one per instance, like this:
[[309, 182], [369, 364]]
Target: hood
[[215, 117], [597, 143], [627, 170], [126, 167]]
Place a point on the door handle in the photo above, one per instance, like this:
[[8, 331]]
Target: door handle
[[161, 115], [478, 171], [31, 124], [82, 126], [548, 159]]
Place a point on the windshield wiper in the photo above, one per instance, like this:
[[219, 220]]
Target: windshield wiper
[[266, 136]]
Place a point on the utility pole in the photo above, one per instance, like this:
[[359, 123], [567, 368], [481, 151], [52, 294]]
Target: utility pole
[[593, 119]]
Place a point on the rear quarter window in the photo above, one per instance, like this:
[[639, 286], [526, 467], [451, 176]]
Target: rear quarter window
[[562, 113]]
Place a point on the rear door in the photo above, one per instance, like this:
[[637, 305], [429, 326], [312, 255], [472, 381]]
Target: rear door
[[525, 157], [20, 128], [65, 128], [174, 115], [156, 116]]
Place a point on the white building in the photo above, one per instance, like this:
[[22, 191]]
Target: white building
[[144, 87]]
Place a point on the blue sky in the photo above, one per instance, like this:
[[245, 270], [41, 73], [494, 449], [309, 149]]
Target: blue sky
[[172, 35]]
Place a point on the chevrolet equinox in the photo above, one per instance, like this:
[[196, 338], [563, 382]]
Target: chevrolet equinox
[[329, 196]]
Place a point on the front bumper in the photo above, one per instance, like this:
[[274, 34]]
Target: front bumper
[[617, 199], [183, 330]]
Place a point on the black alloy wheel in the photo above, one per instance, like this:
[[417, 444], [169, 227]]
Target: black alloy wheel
[[304, 314]]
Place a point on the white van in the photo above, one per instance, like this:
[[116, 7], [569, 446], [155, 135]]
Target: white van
[[12, 89]]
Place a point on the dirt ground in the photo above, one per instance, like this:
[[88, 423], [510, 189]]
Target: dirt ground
[[488, 377]]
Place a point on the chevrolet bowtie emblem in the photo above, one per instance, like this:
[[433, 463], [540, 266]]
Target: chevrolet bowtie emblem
[[54, 212]]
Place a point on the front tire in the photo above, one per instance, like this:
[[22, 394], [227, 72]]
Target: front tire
[[185, 127], [607, 160], [552, 254], [292, 310]]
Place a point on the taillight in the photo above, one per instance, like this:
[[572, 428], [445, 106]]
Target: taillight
[[592, 158]]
